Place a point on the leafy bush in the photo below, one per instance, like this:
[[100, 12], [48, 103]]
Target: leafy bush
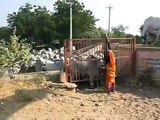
[[16, 53], [39, 79]]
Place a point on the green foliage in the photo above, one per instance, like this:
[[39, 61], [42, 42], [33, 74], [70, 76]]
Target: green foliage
[[83, 20], [39, 79], [39, 25], [101, 32], [138, 39], [16, 53], [35, 23], [5, 32], [93, 33], [119, 31], [4, 55]]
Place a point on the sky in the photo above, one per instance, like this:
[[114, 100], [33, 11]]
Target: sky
[[131, 13]]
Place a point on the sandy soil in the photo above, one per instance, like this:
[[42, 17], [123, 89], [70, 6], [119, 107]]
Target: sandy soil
[[26, 100]]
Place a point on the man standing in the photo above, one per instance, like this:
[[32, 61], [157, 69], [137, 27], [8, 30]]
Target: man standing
[[110, 70]]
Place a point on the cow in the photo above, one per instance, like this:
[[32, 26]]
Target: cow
[[151, 27], [90, 66]]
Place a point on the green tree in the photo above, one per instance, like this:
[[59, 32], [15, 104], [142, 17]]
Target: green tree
[[119, 31], [35, 23], [101, 32], [138, 39], [39, 25], [24, 21], [5, 32], [83, 20], [94, 33]]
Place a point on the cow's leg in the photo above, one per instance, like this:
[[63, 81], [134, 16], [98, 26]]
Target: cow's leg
[[158, 34], [143, 34], [91, 78], [147, 37], [99, 81]]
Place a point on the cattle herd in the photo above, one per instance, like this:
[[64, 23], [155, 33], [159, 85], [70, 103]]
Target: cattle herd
[[45, 60], [83, 64]]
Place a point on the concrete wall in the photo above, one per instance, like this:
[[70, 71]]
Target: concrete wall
[[148, 63], [147, 66]]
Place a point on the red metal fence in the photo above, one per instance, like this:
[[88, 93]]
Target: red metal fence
[[123, 48]]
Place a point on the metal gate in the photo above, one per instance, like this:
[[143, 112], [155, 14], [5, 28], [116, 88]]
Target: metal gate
[[124, 50], [77, 50]]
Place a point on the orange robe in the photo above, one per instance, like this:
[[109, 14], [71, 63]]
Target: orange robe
[[110, 72]]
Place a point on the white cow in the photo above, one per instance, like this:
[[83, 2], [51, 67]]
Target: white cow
[[91, 66], [151, 27]]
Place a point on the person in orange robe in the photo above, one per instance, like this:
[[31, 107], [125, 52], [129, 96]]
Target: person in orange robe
[[110, 70]]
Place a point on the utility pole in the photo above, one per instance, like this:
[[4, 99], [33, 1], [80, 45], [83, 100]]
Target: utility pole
[[109, 19], [71, 2]]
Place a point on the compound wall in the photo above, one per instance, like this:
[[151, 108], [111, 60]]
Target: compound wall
[[148, 63]]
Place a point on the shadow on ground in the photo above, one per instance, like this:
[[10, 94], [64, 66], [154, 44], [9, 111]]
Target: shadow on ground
[[21, 98], [123, 86], [135, 87]]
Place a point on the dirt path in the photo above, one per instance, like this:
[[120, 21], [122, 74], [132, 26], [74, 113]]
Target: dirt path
[[25, 100]]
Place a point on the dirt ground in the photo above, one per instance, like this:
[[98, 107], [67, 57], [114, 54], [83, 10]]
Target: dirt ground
[[27, 100]]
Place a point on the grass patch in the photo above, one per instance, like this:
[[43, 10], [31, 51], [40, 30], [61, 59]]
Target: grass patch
[[39, 79]]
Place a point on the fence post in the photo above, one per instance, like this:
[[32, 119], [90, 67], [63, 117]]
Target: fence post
[[65, 60], [134, 57]]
